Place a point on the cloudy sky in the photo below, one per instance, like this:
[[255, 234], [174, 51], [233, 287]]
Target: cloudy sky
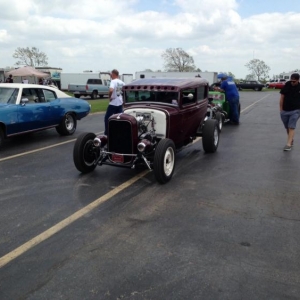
[[131, 35]]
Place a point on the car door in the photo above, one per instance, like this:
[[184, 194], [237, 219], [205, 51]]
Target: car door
[[35, 114], [193, 110]]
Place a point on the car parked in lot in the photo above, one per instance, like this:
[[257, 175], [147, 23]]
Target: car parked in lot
[[277, 85], [275, 81], [27, 108], [250, 84], [160, 116]]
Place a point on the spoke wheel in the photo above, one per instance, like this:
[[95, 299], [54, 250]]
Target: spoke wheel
[[164, 161]]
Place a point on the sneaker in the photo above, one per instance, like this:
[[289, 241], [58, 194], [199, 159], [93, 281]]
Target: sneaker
[[287, 148]]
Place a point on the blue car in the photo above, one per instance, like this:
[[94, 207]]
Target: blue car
[[27, 108]]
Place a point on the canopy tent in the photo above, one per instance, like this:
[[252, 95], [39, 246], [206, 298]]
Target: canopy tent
[[26, 71]]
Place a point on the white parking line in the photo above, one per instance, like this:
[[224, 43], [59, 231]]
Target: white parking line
[[77, 215], [255, 103], [66, 222], [40, 149]]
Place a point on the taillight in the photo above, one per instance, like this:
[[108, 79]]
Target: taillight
[[86, 87]]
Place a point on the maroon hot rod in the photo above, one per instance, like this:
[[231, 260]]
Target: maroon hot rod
[[160, 116]]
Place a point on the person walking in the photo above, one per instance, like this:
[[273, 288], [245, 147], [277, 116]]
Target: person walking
[[289, 106], [233, 98], [115, 97]]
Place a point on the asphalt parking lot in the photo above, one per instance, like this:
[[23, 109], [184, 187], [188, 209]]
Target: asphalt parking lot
[[225, 227]]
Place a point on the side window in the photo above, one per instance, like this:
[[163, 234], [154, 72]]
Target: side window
[[189, 96], [31, 95], [201, 95], [48, 95]]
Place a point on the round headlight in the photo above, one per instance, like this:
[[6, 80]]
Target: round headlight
[[97, 142], [141, 147]]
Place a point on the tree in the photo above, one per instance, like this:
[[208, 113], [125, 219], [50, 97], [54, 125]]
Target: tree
[[30, 57], [231, 75], [258, 68], [177, 59]]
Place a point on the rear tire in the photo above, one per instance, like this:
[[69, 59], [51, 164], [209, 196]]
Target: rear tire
[[84, 154], [164, 161], [220, 119], [67, 125], [210, 136], [77, 96], [94, 95]]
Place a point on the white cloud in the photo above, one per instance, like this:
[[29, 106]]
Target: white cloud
[[101, 35]]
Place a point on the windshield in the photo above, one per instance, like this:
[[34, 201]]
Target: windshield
[[147, 96], [8, 95]]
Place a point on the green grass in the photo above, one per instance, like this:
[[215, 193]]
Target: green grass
[[98, 105]]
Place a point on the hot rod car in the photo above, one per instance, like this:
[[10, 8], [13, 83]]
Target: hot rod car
[[160, 116], [218, 108]]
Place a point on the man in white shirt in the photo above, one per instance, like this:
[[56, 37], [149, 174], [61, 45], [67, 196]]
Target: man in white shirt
[[25, 81], [115, 97]]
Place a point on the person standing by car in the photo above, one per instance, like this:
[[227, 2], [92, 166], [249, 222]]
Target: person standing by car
[[9, 79], [115, 97], [289, 105], [233, 98]]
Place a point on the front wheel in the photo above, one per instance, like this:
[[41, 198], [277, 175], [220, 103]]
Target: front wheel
[[210, 136], [256, 89], [84, 153], [164, 161], [67, 125]]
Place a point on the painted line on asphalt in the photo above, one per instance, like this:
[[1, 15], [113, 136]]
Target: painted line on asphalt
[[66, 222], [4, 260], [39, 149], [255, 103]]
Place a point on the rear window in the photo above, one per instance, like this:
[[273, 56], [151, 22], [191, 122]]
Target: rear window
[[94, 81]]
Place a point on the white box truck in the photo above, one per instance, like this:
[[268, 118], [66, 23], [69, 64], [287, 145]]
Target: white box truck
[[211, 77]]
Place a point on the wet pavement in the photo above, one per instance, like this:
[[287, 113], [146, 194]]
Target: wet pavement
[[225, 227]]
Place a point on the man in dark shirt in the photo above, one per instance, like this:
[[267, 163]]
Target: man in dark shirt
[[9, 79], [289, 106]]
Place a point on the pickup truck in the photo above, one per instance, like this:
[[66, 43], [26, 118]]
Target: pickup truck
[[94, 87], [250, 84]]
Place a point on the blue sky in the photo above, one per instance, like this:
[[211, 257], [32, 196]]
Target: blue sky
[[221, 35]]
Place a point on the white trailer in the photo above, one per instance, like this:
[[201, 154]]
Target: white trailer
[[211, 77], [76, 78], [127, 78]]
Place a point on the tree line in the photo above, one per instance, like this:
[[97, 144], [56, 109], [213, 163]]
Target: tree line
[[175, 60]]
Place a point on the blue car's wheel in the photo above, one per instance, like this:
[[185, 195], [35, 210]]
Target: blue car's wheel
[[67, 125]]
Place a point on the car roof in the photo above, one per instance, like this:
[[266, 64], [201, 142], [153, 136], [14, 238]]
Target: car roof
[[173, 84], [35, 86]]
